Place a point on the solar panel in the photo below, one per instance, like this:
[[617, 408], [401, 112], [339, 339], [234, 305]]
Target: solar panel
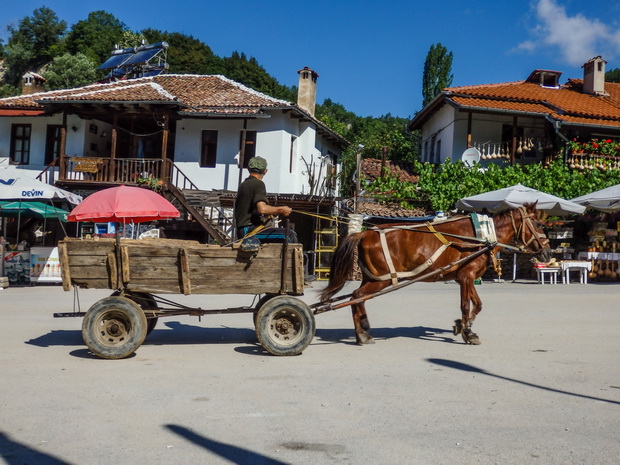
[[142, 56], [134, 62], [116, 60]]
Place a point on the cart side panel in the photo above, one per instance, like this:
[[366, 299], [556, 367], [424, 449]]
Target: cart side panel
[[183, 267]]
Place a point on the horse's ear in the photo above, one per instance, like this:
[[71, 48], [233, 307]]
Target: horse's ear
[[531, 207]]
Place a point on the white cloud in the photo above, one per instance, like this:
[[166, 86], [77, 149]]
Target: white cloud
[[577, 38]]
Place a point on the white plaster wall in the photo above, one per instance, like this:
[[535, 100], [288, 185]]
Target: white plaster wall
[[273, 143], [441, 123], [286, 174]]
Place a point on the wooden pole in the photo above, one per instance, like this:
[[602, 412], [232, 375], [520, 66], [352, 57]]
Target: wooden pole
[[62, 157], [242, 151], [114, 141], [469, 118], [514, 140], [358, 165]]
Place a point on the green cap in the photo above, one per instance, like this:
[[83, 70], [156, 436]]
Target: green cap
[[257, 164]]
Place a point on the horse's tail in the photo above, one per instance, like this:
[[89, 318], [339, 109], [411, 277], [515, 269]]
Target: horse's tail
[[342, 265]]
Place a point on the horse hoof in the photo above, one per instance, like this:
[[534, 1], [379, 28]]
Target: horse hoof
[[457, 328], [471, 338], [364, 338]]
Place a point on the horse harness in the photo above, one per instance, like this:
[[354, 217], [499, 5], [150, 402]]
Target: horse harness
[[485, 240], [526, 223]]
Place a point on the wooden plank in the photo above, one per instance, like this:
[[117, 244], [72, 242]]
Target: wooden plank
[[298, 271], [159, 266], [113, 275], [65, 270], [125, 264], [186, 284]]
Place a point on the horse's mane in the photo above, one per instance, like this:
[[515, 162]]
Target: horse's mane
[[503, 217]]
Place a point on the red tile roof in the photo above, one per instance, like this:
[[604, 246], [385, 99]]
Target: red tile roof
[[194, 94], [371, 170], [565, 103]]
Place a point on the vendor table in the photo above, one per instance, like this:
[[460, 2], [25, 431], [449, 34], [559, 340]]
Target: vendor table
[[574, 265], [552, 272]]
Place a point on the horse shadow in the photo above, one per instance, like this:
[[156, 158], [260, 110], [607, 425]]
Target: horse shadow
[[347, 336]]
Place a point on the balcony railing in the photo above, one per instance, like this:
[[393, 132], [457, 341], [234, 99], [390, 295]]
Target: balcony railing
[[107, 170]]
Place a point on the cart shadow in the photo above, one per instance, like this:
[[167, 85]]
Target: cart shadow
[[347, 336], [61, 337], [180, 333]]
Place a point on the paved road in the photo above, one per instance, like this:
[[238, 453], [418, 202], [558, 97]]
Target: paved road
[[544, 386]]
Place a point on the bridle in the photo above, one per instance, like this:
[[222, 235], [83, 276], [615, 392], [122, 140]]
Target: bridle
[[527, 224]]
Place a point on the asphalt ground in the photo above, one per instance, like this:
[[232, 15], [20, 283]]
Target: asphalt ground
[[542, 388]]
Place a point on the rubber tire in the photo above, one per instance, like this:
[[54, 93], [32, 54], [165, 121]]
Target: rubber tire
[[285, 326], [260, 303], [144, 299], [114, 327]]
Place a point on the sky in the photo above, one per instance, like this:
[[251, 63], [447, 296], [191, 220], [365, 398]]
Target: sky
[[370, 54]]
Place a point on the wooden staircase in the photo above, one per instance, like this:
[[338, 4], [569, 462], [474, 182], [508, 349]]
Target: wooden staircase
[[204, 208]]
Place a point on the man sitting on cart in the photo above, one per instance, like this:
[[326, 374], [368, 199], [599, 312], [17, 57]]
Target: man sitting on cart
[[252, 208]]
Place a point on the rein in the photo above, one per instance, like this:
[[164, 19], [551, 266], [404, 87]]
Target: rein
[[526, 223]]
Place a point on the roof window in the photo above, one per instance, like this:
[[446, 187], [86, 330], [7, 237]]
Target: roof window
[[545, 78]]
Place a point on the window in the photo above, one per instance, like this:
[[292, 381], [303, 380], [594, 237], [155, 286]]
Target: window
[[208, 151], [20, 144], [52, 143], [250, 146], [438, 152], [292, 154]]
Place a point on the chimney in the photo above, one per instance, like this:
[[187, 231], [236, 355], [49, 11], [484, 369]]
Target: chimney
[[32, 83], [306, 93], [594, 76]]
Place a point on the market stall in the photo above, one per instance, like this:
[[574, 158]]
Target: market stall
[[516, 196], [29, 211]]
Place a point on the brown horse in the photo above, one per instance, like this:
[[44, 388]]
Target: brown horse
[[447, 250]]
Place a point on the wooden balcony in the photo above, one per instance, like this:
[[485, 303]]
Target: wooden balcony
[[96, 171]]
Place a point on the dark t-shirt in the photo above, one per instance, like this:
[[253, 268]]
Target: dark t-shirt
[[251, 191]]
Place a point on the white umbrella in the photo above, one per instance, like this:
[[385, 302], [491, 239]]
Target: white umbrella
[[16, 187], [605, 200], [516, 196]]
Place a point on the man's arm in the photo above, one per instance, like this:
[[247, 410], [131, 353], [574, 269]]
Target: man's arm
[[265, 209]]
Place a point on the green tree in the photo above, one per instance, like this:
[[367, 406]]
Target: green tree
[[186, 54], [96, 36], [613, 75], [32, 43], [68, 71], [437, 72], [248, 72]]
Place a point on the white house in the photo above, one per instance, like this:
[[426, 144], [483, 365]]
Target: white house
[[202, 124], [526, 121]]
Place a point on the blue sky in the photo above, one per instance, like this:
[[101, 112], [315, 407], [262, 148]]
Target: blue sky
[[370, 54]]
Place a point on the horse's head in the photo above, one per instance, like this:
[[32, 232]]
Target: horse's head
[[527, 225]]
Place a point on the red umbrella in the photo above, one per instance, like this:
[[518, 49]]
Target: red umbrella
[[124, 204]]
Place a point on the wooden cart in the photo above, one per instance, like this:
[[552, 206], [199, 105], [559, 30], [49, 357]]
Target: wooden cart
[[138, 271]]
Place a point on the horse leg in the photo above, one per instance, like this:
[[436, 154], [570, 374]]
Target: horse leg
[[469, 296], [360, 318], [362, 326]]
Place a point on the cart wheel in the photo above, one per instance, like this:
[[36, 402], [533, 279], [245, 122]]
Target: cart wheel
[[146, 301], [285, 326], [114, 327], [260, 303]]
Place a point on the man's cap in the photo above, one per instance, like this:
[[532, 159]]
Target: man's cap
[[258, 164]]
